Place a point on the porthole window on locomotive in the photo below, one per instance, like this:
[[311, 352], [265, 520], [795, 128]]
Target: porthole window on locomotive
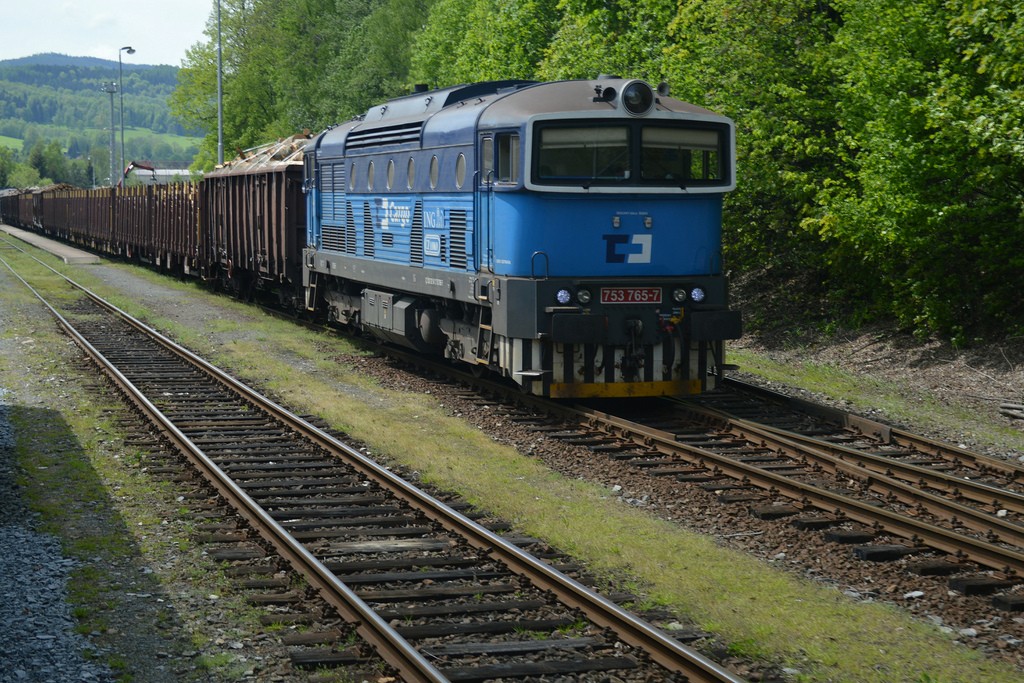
[[433, 172], [460, 171], [391, 172], [411, 173], [369, 177], [352, 177]]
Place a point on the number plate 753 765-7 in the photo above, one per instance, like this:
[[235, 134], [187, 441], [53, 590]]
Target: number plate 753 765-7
[[631, 295]]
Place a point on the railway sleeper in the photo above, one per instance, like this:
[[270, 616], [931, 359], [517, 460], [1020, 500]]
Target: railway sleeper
[[489, 628], [770, 512], [461, 608], [1008, 602], [524, 669], [316, 658], [884, 553], [813, 522], [979, 585]]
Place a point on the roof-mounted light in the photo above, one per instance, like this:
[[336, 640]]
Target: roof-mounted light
[[637, 98]]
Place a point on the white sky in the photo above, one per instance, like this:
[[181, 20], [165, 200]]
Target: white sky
[[159, 30]]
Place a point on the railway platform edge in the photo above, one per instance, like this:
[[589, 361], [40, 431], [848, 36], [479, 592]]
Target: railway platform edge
[[69, 254]]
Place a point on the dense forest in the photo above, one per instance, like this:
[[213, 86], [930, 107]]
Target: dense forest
[[881, 144], [54, 105]]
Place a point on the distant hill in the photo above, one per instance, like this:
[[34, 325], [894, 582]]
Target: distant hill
[[56, 59], [59, 97]]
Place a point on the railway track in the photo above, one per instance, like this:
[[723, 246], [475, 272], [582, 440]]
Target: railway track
[[828, 469], [822, 467], [435, 594]]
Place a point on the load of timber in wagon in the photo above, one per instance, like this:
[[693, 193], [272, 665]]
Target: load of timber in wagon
[[285, 152]]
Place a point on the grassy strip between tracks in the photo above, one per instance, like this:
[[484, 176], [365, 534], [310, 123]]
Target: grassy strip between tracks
[[865, 394], [757, 610]]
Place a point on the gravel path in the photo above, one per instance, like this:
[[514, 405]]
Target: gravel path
[[36, 626]]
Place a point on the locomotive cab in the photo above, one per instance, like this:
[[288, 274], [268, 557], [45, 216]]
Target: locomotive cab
[[613, 229]]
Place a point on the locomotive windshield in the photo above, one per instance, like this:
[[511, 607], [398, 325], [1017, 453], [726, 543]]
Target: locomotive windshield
[[637, 153], [580, 154]]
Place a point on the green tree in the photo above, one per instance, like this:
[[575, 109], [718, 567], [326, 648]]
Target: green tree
[[6, 165], [436, 57], [930, 198], [49, 161], [764, 63], [982, 104], [303, 52], [275, 66], [627, 38], [194, 100], [375, 59], [24, 176], [474, 40]]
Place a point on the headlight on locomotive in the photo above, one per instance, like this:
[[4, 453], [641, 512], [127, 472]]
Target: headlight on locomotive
[[680, 295], [637, 98], [563, 296], [583, 296]]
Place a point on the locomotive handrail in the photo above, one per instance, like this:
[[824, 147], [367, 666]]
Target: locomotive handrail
[[547, 265], [482, 218], [478, 260]]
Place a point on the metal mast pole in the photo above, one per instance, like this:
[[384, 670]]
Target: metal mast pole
[[111, 88], [220, 93], [120, 84]]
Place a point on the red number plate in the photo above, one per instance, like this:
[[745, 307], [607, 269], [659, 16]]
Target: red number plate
[[631, 295]]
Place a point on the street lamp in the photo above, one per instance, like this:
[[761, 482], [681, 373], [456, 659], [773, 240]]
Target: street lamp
[[111, 88], [120, 83]]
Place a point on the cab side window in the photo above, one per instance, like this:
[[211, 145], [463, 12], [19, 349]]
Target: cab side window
[[499, 158], [508, 158]]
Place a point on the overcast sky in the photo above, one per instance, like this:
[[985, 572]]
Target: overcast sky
[[159, 30]]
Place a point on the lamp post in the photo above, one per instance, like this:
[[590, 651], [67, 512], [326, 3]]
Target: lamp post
[[111, 88], [120, 83]]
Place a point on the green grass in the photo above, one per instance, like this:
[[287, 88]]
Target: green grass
[[898, 403], [14, 143]]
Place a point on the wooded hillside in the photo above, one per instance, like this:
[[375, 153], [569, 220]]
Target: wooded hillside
[[56, 101]]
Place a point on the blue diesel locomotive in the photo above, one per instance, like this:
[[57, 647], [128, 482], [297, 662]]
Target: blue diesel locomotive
[[565, 235]]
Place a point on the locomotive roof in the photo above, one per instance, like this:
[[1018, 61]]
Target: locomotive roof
[[404, 120], [423, 104], [572, 97], [439, 117]]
